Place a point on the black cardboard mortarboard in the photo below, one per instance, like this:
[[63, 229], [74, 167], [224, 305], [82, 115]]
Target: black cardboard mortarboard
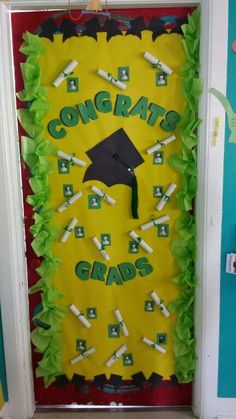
[[113, 162]]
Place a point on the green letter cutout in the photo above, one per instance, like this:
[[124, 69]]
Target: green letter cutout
[[52, 129], [171, 120], [122, 104], [82, 270], [99, 269], [140, 108], [87, 111], [69, 116], [114, 276], [127, 271], [102, 102], [155, 112], [144, 266]]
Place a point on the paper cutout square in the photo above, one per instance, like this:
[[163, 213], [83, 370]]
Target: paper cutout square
[[79, 232], [105, 239], [91, 313], [123, 73], [149, 306], [157, 191], [158, 157], [114, 330], [133, 247], [161, 338], [161, 79], [63, 166], [81, 345], [68, 190], [72, 84], [127, 359], [94, 202], [163, 230]]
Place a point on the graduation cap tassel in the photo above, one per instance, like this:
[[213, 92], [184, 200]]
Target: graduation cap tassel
[[134, 201], [134, 186]]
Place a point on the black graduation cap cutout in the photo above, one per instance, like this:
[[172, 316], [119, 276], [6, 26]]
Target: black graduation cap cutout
[[100, 380], [48, 27], [61, 381], [139, 379], [91, 28], [157, 26], [111, 26], [137, 26], [155, 380], [115, 380], [68, 29], [179, 22], [113, 162]]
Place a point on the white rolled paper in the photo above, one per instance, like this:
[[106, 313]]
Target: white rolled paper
[[155, 222], [79, 316], [70, 201], [65, 73], [165, 198], [68, 230], [116, 355], [140, 241], [71, 158], [106, 198], [159, 304], [111, 79], [121, 322], [153, 345], [84, 354], [158, 63], [161, 144], [100, 248]]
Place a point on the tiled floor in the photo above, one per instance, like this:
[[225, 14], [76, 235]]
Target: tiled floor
[[116, 415]]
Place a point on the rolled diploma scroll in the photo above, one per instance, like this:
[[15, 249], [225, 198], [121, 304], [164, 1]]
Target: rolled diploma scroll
[[154, 345], [110, 78], [159, 304], [116, 355], [68, 229], [121, 322], [155, 222], [101, 250], [79, 316], [141, 242], [161, 144], [65, 73], [70, 201], [166, 196], [158, 63], [71, 158], [106, 198], [84, 354]]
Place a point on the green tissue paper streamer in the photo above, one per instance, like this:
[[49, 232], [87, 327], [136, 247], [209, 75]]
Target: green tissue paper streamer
[[184, 248], [35, 152]]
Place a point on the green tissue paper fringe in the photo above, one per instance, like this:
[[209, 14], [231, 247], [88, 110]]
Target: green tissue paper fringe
[[184, 248], [35, 152]]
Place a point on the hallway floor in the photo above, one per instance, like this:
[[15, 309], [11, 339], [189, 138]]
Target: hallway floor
[[116, 415]]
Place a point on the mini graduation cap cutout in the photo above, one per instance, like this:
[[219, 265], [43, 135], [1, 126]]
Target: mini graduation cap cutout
[[68, 29], [157, 26], [155, 380], [137, 26], [111, 26], [48, 28], [113, 162], [100, 381], [139, 379], [91, 28]]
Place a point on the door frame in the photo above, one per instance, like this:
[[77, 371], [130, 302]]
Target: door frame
[[13, 270]]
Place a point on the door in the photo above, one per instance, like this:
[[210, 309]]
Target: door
[[108, 142]]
